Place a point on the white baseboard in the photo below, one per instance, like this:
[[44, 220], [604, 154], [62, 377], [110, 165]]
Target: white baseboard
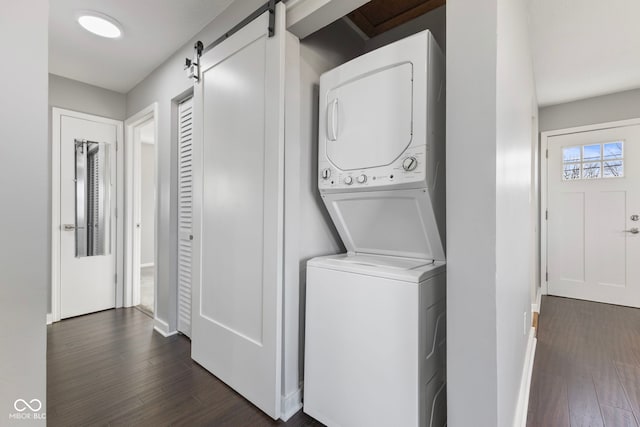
[[535, 306], [522, 407], [49, 318], [162, 327], [290, 404]]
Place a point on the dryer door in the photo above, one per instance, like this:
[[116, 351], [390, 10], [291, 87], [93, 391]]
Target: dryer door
[[369, 118]]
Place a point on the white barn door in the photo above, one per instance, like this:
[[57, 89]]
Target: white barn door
[[185, 213], [238, 212]]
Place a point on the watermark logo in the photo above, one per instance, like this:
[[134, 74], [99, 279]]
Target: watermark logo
[[27, 410], [21, 405]]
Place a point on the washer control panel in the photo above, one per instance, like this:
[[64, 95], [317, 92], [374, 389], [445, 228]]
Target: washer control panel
[[409, 168]]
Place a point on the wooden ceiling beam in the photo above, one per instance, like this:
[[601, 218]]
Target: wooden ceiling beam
[[359, 16]]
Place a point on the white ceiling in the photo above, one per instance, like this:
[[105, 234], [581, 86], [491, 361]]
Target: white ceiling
[[584, 48], [152, 31], [581, 48]]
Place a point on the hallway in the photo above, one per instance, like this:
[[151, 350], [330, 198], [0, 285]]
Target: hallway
[[147, 288], [111, 368], [587, 365]]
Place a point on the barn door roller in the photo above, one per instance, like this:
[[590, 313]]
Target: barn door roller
[[192, 65]]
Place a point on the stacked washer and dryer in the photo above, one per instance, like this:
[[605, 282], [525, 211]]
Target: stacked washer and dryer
[[375, 332]]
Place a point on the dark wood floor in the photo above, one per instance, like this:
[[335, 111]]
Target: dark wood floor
[[587, 365], [110, 368]]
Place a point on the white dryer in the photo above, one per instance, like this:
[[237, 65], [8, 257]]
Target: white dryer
[[375, 329]]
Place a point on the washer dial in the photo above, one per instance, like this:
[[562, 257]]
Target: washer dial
[[409, 164]]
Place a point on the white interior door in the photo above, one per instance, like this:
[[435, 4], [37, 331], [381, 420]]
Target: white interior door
[[238, 212], [87, 281], [185, 213], [594, 215]]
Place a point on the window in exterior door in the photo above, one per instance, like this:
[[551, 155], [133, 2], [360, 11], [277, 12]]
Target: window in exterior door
[[593, 161]]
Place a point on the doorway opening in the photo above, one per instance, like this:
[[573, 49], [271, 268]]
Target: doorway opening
[[141, 212], [145, 216]]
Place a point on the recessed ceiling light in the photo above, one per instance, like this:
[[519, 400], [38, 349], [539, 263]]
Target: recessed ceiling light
[[99, 24]]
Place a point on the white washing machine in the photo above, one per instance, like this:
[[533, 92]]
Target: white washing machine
[[375, 330]]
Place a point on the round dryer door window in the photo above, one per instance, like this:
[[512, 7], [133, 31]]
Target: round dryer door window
[[369, 118]]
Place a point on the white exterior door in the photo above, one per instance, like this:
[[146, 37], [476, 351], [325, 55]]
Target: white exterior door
[[87, 279], [238, 212], [594, 215], [185, 213]]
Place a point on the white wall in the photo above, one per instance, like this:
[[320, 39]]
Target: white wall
[[305, 17], [491, 103], [516, 108], [147, 202], [24, 225], [536, 280], [601, 109], [320, 52], [331, 46], [472, 383], [85, 98]]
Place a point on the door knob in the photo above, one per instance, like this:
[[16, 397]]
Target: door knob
[[633, 230], [68, 227], [635, 217]]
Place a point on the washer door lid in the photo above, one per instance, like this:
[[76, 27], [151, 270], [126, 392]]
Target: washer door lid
[[403, 269], [398, 223], [369, 118]]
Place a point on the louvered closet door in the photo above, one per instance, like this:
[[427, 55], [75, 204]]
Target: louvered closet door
[[185, 215]]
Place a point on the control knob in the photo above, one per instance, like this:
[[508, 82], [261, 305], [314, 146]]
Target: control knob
[[348, 180], [362, 179], [410, 163], [326, 173]]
